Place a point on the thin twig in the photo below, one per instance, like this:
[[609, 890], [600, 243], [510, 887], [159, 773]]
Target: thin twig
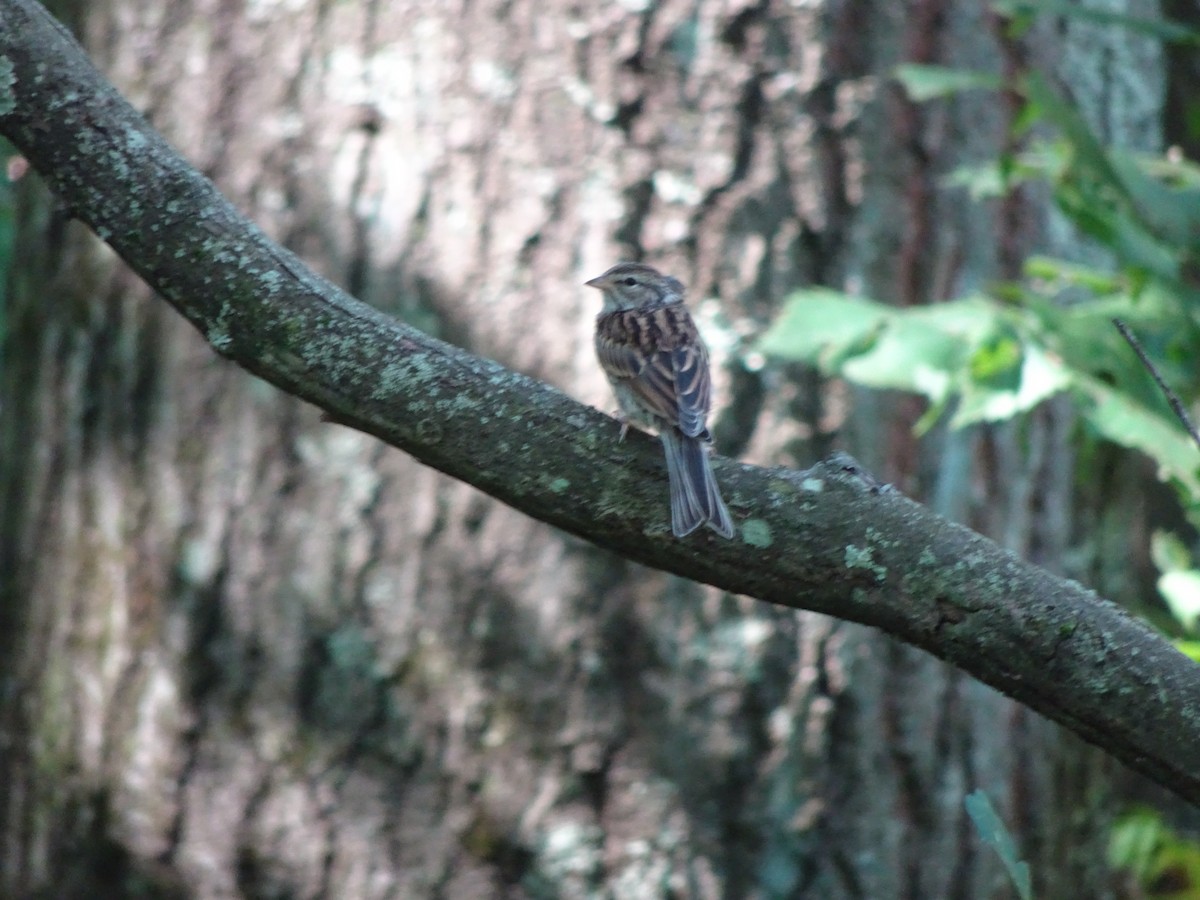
[[1172, 397]]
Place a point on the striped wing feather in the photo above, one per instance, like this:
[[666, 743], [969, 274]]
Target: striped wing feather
[[658, 354]]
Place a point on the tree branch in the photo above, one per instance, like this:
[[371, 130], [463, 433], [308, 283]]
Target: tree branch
[[827, 540]]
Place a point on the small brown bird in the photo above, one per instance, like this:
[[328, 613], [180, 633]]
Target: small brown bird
[[651, 352]]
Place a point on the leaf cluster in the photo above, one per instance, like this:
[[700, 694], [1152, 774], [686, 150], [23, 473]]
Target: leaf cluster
[[999, 353]]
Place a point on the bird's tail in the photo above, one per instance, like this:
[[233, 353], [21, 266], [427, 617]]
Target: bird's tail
[[695, 497]]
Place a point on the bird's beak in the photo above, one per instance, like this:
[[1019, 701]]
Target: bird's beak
[[597, 283]]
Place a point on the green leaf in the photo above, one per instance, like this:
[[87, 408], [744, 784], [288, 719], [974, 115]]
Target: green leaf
[[1090, 348], [1027, 116], [1126, 422], [1181, 590], [997, 361], [928, 82], [1112, 196], [1135, 841], [1040, 377], [909, 355], [986, 180], [820, 326], [1169, 552], [1190, 649], [1171, 213], [1139, 247], [924, 349], [1162, 29], [965, 348], [1067, 274], [1164, 864], [1088, 152], [993, 833]]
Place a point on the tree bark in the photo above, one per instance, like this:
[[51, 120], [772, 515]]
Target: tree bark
[[260, 654]]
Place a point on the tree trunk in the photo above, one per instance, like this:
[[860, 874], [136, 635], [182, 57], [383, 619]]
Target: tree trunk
[[251, 653]]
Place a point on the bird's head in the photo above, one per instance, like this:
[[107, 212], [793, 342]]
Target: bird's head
[[635, 285]]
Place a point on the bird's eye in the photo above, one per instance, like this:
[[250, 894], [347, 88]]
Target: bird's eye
[[630, 282]]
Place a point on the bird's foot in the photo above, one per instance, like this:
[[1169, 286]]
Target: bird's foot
[[624, 420]]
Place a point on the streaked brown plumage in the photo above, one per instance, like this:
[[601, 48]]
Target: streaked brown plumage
[[657, 364]]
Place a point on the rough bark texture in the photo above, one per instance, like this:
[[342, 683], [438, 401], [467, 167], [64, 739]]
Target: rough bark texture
[[253, 654]]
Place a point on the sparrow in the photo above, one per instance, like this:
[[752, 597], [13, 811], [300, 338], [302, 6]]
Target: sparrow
[[657, 364]]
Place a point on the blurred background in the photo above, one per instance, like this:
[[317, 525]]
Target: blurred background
[[247, 653]]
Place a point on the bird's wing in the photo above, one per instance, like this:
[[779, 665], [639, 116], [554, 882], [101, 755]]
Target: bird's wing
[[658, 354], [693, 387]]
